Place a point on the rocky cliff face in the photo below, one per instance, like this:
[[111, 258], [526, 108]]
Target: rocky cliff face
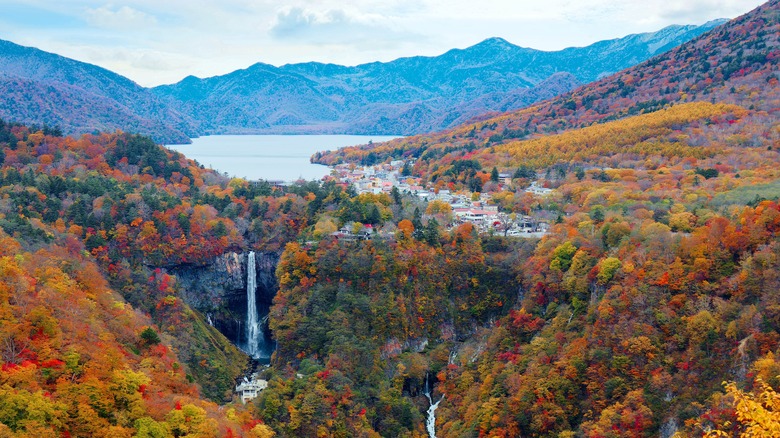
[[218, 290]]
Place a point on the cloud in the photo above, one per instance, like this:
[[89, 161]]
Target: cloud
[[294, 22], [333, 26], [697, 10], [136, 59], [123, 18]]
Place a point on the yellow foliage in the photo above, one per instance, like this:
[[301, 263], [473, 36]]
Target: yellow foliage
[[683, 221], [644, 134], [437, 206], [324, 227], [262, 431], [405, 229], [758, 412], [191, 420], [766, 368]]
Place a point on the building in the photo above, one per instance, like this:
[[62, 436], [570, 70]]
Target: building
[[478, 215], [345, 233], [250, 389], [536, 190]]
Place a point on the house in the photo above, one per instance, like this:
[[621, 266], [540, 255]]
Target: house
[[527, 222], [250, 389], [459, 203], [476, 215], [363, 186], [536, 190], [346, 234]]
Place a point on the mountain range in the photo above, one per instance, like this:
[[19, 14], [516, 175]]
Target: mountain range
[[733, 64], [406, 96]]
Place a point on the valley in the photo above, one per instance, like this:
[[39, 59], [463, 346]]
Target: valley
[[601, 263]]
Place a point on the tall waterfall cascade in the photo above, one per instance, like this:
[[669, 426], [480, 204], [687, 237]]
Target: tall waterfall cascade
[[254, 329], [430, 422]]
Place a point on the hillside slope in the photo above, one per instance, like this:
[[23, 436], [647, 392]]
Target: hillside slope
[[77, 360], [44, 88], [94, 336]]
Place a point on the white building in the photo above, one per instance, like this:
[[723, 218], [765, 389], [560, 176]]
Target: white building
[[250, 389], [476, 214], [536, 190]]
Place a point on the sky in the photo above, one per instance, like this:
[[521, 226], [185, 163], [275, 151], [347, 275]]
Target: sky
[[157, 42]]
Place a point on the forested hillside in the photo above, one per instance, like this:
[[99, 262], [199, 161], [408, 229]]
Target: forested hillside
[[92, 228], [653, 279], [47, 89], [78, 360], [94, 338], [657, 283]]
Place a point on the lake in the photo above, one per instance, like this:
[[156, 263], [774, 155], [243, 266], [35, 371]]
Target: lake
[[269, 157]]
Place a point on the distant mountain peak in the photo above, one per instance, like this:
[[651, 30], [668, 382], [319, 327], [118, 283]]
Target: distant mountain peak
[[716, 22], [496, 42], [495, 45]]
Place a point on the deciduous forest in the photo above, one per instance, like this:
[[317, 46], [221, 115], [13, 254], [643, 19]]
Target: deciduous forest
[[650, 307]]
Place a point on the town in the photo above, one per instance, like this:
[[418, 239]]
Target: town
[[455, 208]]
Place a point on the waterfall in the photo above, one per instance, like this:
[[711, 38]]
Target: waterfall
[[669, 428], [430, 422], [743, 359], [253, 324]]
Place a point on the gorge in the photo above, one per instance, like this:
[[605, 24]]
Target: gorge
[[227, 290]]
